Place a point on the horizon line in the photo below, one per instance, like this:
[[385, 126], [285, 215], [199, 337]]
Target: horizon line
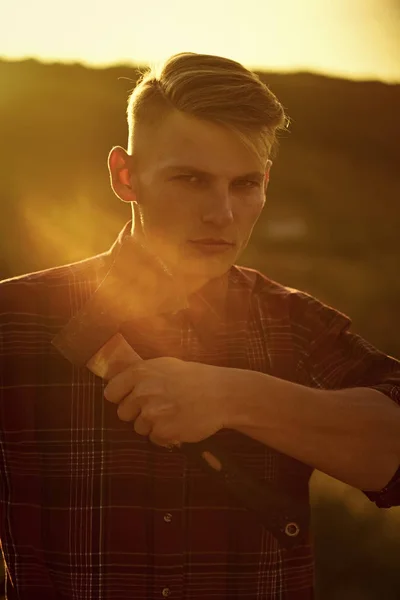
[[299, 70]]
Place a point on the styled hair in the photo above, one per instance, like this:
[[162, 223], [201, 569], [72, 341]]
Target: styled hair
[[212, 88]]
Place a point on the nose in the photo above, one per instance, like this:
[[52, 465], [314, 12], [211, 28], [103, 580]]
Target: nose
[[218, 210]]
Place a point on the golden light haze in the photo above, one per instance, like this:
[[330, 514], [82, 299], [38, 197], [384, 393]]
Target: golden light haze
[[357, 39]]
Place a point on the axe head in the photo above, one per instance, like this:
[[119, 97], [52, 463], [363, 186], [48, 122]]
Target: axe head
[[138, 285]]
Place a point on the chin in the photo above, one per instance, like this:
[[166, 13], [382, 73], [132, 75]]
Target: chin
[[206, 268], [191, 266]]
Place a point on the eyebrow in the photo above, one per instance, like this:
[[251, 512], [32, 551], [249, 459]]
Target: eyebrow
[[258, 175]]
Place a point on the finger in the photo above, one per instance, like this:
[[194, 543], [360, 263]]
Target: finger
[[159, 440], [142, 426], [163, 436], [129, 408], [121, 384], [150, 410]]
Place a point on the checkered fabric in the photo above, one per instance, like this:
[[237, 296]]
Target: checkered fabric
[[90, 510]]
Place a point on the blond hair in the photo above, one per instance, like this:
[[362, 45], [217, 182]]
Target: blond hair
[[213, 88]]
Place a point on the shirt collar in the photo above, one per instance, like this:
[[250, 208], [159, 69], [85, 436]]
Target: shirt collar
[[206, 308]]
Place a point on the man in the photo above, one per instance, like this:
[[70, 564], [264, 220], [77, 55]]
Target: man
[[93, 504]]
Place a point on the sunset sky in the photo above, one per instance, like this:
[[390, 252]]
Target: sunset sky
[[351, 38]]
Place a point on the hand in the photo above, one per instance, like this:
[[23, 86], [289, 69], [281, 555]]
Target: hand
[[171, 400]]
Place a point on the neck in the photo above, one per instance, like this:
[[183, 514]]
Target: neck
[[189, 282]]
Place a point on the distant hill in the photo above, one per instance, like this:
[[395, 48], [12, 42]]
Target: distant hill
[[332, 219]]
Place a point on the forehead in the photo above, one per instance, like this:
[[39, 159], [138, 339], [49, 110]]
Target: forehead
[[207, 146]]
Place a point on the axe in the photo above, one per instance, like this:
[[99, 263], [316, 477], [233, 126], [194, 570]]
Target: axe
[[138, 284]]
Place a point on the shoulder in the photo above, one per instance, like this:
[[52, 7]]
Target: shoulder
[[50, 291], [266, 289], [301, 308]]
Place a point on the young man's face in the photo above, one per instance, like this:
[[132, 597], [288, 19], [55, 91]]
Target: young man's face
[[194, 180]]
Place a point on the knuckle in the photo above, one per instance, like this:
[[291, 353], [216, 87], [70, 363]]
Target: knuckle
[[144, 416], [149, 413]]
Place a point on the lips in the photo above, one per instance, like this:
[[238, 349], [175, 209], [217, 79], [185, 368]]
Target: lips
[[214, 242], [210, 247]]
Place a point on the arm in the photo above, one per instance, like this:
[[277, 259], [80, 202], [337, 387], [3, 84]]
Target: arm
[[344, 420], [350, 434]]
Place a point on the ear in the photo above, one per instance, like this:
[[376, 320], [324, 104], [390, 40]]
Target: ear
[[121, 177], [267, 170]]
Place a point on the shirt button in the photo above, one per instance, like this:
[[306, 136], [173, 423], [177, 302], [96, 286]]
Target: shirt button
[[168, 517], [166, 592]]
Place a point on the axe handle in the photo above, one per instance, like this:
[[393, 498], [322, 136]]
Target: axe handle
[[274, 508]]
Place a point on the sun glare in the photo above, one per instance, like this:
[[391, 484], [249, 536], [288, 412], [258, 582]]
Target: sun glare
[[65, 235]]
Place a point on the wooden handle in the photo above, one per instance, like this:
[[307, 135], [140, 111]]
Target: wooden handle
[[268, 504]]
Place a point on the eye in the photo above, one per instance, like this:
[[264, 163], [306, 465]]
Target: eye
[[189, 178], [248, 183]]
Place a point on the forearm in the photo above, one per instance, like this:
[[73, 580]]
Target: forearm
[[351, 434]]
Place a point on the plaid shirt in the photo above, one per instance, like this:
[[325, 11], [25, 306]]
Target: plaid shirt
[[91, 510]]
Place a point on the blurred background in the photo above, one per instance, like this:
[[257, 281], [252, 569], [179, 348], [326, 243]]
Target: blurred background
[[332, 219]]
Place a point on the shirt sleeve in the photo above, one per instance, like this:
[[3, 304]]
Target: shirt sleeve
[[339, 359]]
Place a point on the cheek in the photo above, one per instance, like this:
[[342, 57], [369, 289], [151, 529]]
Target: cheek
[[168, 214], [157, 207], [249, 210]]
